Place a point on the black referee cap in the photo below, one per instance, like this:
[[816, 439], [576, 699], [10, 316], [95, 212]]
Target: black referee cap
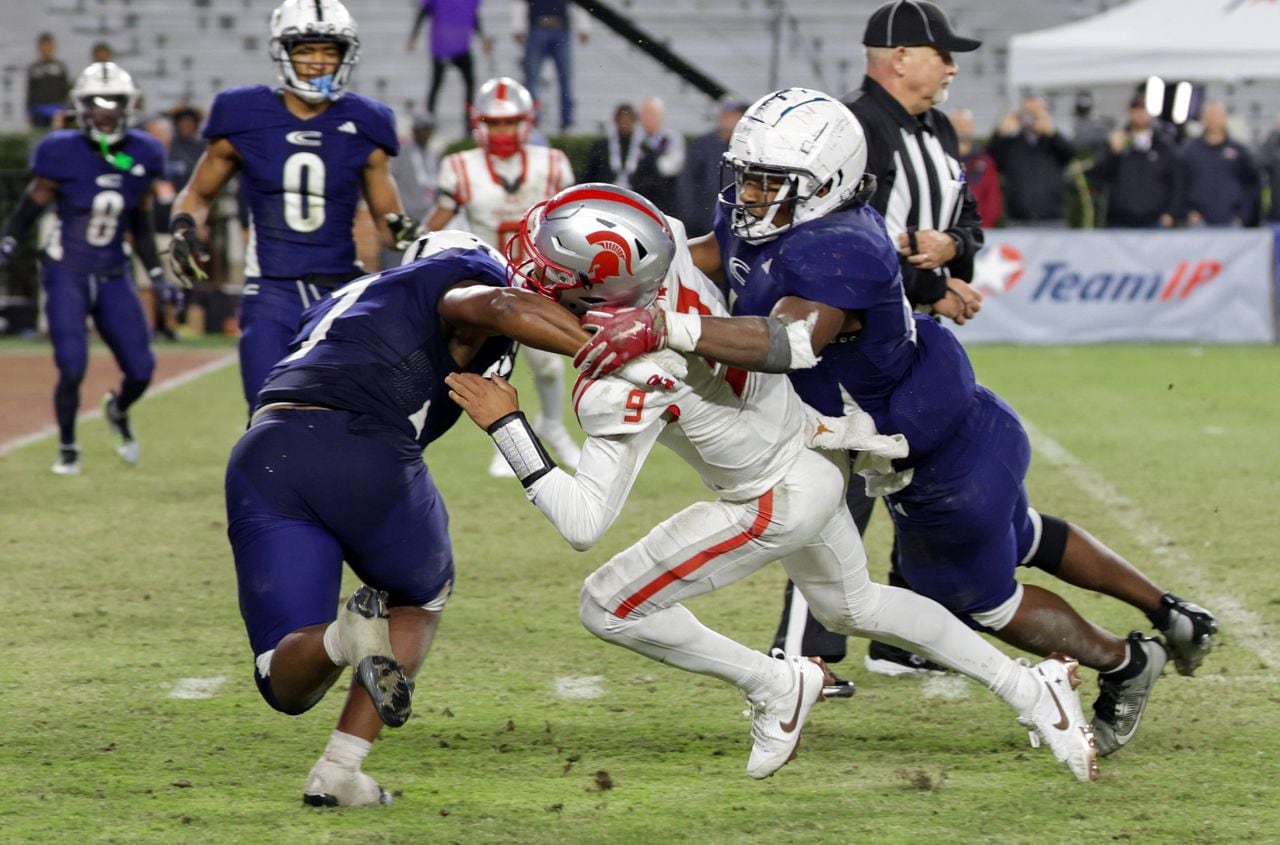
[[913, 23]]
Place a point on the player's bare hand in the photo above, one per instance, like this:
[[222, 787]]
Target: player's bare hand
[[486, 400], [961, 302], [933, 249]]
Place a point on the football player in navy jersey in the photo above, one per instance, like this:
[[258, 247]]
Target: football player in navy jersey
[[306, 152], [101, 178], [331, 469], [811, 264]]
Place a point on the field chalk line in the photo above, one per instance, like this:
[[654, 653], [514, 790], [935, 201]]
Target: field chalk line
[[165, 386], [1246, 627]]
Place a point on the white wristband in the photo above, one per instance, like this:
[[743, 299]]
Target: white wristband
[[683, 331], [800, 337]]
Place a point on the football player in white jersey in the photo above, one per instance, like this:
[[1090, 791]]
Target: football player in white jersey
[[747, 435], [494, 184]]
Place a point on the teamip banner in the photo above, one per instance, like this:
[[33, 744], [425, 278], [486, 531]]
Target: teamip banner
[[1202, 286]]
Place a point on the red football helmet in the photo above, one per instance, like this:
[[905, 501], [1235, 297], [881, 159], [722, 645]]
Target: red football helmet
[[502, 99], [593, 245]]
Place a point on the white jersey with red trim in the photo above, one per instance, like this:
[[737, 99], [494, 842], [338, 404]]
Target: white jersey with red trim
[[742, 432], [496, 192]]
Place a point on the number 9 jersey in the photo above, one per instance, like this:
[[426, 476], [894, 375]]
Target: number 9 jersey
[[95, 197], [302, 178]]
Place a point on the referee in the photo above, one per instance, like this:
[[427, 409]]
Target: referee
[[932, 217]]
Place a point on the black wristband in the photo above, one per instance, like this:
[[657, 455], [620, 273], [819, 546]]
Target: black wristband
[[181, 221], [523, 450]]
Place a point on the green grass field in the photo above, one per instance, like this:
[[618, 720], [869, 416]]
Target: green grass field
[[118, 585]]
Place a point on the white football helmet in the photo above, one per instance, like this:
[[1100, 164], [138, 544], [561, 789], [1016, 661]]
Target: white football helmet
[[297, 21], [593, 245], [434, 242], [808, 141], [106, 101], [502, 99]]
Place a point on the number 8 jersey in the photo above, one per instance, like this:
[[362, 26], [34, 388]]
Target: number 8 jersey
[[302, 178], [95, 197]]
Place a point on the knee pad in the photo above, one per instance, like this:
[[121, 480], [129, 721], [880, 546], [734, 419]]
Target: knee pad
[[1000, 615], [1050, 542]]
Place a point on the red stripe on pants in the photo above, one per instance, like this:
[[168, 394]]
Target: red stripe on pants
[[764, 516]]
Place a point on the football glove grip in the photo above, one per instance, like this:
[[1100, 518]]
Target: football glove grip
[[620, 335], [186, 253], [404, 229]]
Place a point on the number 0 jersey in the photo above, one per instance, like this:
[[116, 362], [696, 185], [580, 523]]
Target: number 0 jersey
[[495, 193], [376, 347], [302, 178], [94, 196]]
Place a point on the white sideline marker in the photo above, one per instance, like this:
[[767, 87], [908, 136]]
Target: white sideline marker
[[1246, 627], [578, 687], [196, 688], [96, 412]]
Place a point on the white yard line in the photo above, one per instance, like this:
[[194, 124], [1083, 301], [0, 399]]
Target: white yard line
[[197, 688], [1245, 628], [162, 387], [574, 687]]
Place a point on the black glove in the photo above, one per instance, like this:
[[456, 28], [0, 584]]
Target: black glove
[[8, 246], [186, 253], [403, 228]]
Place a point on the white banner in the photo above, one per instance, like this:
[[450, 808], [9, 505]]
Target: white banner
[[1065, 286]]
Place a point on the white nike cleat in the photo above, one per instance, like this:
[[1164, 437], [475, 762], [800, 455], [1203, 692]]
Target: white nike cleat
[[333, 785], [499, 468], [776, 722], [557, 437], [365, 642], [68, 462], [1057, 719]]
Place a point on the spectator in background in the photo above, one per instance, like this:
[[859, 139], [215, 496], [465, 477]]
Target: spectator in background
[[47, 86], [187, 146], [1032, 156], [979, 170], [102, 52], [451, 28], [544, 28], [613, 158], [1221, 181], [1140, 173], [1269, 164], [1089, 132], [417, 174], [661, 158], [700, 180]]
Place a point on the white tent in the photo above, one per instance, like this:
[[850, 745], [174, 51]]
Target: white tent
[[1201, 40]]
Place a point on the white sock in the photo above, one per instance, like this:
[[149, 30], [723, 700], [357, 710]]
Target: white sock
[[333, 644], [674, 636], [1017, 686], [347, 750]]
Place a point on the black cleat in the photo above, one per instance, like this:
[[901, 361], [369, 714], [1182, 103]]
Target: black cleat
[[885, 659]]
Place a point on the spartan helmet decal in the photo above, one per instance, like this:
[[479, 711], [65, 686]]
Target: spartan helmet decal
[[593, 245]]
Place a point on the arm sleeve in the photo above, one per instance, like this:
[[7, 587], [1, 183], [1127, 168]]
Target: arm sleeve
[[582, 507], [144, 238], [923, 287], [451, 185]]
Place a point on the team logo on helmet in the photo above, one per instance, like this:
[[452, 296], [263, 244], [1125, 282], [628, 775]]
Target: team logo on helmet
[[614, 253]]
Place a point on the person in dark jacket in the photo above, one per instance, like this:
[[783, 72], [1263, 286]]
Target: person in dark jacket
[[1140, 172], [1269, 165], [1221, 179], [1032, 156], [979, 169], [700, 180], [48, 86]]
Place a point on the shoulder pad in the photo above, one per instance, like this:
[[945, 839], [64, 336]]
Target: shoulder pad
[[236, 110], [844, 260], [610, 406], [376, 121]]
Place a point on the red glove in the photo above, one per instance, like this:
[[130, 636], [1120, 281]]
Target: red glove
[[621, 334]]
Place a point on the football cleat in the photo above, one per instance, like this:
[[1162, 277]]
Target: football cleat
[[366, 645], [1118, 709], [885, 659], [118, 422], [68, 462], [1188, 632], [1057, 718], [776, 722], [332, 785], [557, 438]]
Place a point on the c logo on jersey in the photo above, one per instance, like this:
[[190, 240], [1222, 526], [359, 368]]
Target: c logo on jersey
[[998, 269], [305, 138], [109, 180], [614, 253], [739, 270]]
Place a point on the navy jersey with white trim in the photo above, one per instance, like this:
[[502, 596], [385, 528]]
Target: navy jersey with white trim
[[94, 196], [302, 177], [376, 346], [908, 372]]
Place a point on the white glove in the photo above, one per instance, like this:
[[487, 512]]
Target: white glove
[[856, 432]]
